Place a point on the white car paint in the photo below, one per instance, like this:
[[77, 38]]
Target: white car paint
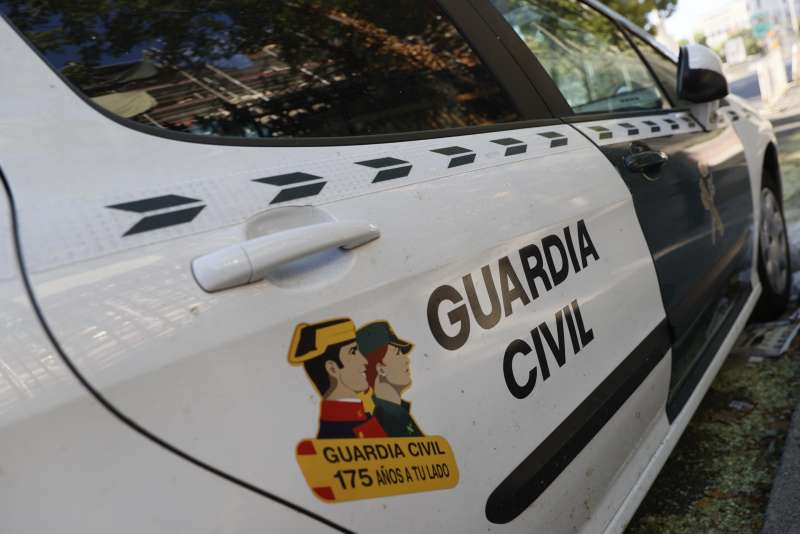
[[659, 457], [193, 369], [68, 465]]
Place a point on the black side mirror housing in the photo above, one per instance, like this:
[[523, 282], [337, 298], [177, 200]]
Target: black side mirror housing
[[700, 76]]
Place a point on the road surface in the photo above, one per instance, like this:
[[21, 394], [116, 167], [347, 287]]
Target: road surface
[[747, 87]]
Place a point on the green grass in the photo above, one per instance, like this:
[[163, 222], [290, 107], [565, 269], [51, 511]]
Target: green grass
[[719, 476]]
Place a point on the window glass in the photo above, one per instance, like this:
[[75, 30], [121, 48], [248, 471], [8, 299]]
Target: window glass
[[591, 62], [266, 68], [665, 69]]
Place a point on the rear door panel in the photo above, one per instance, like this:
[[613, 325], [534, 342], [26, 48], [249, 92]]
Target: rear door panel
[[208, 373]]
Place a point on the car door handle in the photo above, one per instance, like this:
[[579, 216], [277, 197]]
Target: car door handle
[[649, 160], [250, 261]]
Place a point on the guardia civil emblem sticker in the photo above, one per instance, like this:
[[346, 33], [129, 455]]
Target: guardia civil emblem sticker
[[368, 443]]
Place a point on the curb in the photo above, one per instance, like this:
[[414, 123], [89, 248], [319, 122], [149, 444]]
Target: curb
[[783, 512], [778, 118]]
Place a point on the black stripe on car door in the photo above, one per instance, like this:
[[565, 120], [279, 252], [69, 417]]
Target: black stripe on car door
[[531, 478]]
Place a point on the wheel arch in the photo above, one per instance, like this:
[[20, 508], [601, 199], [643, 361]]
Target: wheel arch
[[772, 166]]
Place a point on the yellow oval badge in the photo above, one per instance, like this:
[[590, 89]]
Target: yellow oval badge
[[339, 470]]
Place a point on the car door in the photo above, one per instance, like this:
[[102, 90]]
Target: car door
[[690, 186], [721, 246], [350, 263]]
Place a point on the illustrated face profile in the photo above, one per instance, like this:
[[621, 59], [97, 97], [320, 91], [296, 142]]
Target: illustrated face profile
[[329, 353], [388, 360], [389, 376], [395, 367], [348, 375]]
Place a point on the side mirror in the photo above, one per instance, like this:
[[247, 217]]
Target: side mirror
[[700, 77]]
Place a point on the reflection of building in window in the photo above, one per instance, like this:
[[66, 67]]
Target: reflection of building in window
[[338, 73]]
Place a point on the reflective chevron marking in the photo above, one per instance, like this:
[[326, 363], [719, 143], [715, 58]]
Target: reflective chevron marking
[[639, 128], [630, 128], [556, 139], [673, 124], [602, 132], [162, 219], [513, 146], [463, 156], [312, 185], [654, 127], [391, 168]]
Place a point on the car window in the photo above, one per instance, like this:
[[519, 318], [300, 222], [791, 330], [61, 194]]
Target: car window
[[664, 68], [268, 68], [585, 54]]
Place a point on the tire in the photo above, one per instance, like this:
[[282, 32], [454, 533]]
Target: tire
[[774, 268]]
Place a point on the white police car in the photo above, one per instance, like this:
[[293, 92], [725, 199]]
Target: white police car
[[330, 265]]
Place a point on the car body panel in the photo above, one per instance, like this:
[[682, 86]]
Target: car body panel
[[32, 376], [197, 385], [124, 313], [60, 446]]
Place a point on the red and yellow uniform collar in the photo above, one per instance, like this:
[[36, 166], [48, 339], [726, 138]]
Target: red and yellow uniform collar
[[342, 410]]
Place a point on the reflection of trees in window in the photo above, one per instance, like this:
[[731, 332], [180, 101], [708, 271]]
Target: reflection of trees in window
[[584, 52], [665, 70], [258, 68]]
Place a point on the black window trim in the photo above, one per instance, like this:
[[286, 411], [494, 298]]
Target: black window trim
[[527, 60], [631, 27], [483, 40], [479, 36], [629, 36]]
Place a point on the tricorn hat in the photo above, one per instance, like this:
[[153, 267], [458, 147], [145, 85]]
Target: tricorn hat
[[373, 336], [312, 340]]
